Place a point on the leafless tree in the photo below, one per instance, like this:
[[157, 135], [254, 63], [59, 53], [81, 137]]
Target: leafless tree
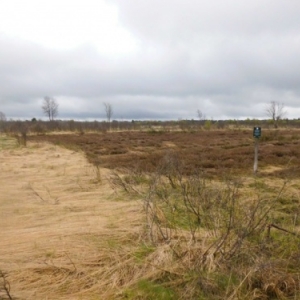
[[2, 117], [201, 115], [108, 111], [276, 112], [2, 120], [50, 108]]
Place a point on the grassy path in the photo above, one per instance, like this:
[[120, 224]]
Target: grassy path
[[58, 222]]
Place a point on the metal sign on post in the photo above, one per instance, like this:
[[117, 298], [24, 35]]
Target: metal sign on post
[[257, 132], [256, 135]]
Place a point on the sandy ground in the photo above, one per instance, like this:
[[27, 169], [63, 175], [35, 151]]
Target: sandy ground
[[55, 219]]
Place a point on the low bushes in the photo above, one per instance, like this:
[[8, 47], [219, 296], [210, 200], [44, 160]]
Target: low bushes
[[216, 243]]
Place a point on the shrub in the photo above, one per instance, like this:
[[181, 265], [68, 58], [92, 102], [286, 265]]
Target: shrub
[[216, 236]]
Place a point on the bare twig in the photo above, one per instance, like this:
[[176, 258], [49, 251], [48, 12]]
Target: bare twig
[[6, 285], [279, 228], [36, 193]]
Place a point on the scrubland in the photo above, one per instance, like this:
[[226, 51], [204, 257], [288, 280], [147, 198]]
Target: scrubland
[[150, 215]]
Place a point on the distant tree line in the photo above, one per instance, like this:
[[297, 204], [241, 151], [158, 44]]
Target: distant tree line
[[42, 127], [274, 111]]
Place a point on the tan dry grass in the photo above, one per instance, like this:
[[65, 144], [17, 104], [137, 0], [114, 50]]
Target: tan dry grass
[[62, 234]]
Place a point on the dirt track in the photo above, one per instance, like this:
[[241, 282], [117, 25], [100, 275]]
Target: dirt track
[[55, 220]]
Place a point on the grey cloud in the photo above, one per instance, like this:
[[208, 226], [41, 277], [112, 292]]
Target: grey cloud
[[227, 58], [184, 20]]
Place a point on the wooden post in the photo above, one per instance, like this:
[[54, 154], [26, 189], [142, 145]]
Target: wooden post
[[255, 155], [256, 135]]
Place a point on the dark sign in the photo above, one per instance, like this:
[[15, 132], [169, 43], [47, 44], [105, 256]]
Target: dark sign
[[256, 132]]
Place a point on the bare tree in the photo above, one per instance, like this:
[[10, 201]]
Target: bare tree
[[2, 117], [276, 112], [201, 115], [50, 108], [108, 111], [2, 120]]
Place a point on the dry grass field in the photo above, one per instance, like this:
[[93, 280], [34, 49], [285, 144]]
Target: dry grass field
[[61, 229], [150, 215]]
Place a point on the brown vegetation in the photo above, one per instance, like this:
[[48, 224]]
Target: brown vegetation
[[218, 152]]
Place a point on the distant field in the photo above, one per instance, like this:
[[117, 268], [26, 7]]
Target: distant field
[[217, 152]]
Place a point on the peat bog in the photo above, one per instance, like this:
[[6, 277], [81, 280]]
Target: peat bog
[[217, 152]]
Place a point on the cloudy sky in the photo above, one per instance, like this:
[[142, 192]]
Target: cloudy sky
[[150, 59]]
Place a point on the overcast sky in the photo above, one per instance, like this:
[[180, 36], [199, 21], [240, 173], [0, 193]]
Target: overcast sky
[[150, 59]]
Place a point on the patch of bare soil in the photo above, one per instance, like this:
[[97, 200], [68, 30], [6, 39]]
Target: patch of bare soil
[[62, 233]]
